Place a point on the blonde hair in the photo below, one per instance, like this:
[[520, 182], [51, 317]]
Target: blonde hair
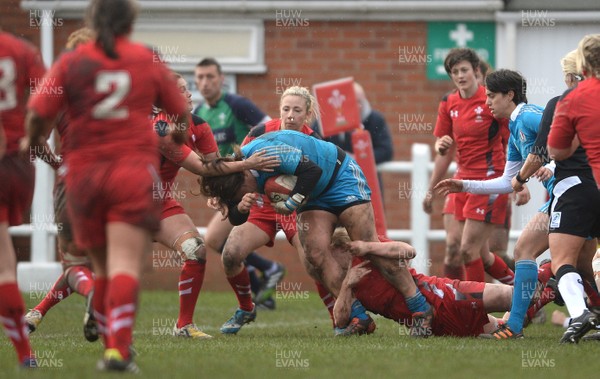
[[568, 63], [80, 36], [312, 107], [588, 55], [340, 237]]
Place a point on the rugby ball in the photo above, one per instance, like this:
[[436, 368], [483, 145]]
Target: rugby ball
[[279, 187]]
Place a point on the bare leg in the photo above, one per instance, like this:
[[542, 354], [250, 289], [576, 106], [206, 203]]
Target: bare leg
[[216, 233], [316, 240], [242, 240], [453, 261]]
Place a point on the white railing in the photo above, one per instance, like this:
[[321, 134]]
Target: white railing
[[419, 235]]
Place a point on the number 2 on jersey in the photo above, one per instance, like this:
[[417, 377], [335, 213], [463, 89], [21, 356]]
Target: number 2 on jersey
[[8, 92], [117, 84]]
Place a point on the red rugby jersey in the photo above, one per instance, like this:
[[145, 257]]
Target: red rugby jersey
[[478, 135], [577, 112], [21, 70], [108, 100], [200, 139]]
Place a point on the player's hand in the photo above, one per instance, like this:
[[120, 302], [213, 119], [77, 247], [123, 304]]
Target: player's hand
[[443, 144], [213, 203], [356, 248], [405, 251], [447, 186], [247, 201], [523, 197], [516, 185], [428, 202], [261, 162], [356, 273], [543, 173], [281, 208]]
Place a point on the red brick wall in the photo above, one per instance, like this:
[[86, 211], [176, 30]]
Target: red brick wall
[[368, 51]]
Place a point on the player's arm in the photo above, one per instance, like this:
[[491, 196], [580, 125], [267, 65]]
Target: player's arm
[[392, 249], [498, 185], [238, 213], [37, 128], [559, 154], [343, 304], [532, 164], [308, 174], [443, 128], [42, 109], [562, 140], [440, 168]]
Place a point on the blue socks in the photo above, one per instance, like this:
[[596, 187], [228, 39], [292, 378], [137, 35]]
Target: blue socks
[[417, 303], [358, 310], [525, 283]]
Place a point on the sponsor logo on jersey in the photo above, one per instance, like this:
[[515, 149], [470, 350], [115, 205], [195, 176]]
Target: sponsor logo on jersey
[[555, 220], [478, 111], [522, 136], [454, 114]]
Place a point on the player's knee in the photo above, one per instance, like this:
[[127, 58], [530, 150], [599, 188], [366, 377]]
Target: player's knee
[[191, 248], [465, 254], [232, 256], [453, 254], [314, 256], [230, 261]]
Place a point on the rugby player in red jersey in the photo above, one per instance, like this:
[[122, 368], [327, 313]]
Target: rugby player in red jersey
[[77, 276], [177, 229], [465, 124], [461, 307], [108, 87], [21, 70], [576, 123]]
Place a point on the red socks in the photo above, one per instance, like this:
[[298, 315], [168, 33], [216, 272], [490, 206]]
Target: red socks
[[121, 305], [241, 286], [474, 271], [500, 271], [190, 283], [592, 294], [80, 279], [12, 310], [59, 291], [327, 298], [453, 272]]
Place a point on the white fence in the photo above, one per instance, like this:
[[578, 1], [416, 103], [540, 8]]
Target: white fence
[[43, 269]]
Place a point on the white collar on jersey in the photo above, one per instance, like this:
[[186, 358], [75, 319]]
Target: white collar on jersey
[[515, 113]]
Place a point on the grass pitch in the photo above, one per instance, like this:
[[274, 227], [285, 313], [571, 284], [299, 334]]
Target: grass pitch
[[295, 341]]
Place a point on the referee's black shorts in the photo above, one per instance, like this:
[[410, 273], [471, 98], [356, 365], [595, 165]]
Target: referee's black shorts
[[575, 207]]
